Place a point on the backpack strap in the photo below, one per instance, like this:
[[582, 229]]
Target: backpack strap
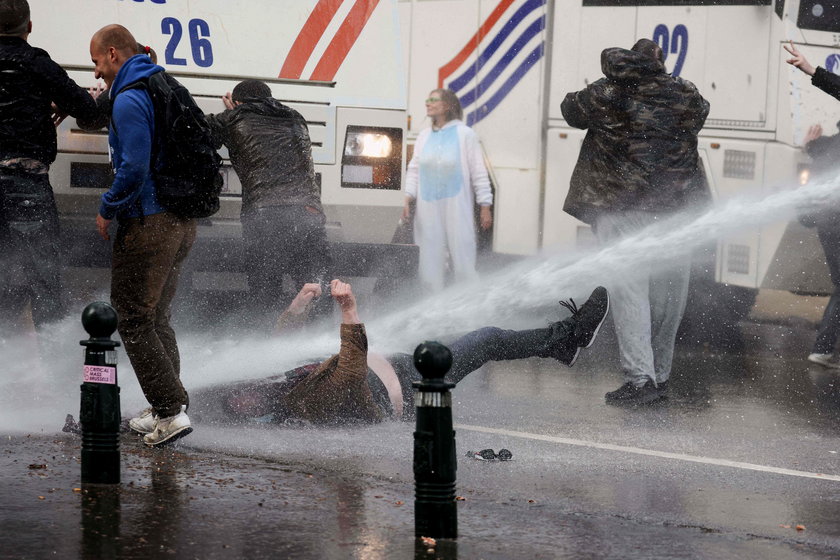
[[139, 84], [144, 85]]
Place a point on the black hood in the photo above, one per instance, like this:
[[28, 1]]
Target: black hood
[[622, 65]]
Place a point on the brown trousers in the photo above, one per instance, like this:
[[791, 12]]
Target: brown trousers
[[145, 265]]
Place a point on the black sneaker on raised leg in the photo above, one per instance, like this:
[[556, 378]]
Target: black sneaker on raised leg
[[630, 395], [579, 331]]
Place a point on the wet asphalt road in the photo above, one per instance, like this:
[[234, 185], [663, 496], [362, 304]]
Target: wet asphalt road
[[740, 462]]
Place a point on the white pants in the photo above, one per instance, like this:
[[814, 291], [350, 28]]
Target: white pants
[[444, 227], [647, 308]]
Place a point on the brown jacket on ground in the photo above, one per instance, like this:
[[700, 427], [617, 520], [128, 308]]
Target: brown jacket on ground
[[338, 390]]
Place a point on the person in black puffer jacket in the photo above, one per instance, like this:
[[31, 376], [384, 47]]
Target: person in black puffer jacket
[[283, 223], [824, 151], [639, 165], [31, 86]]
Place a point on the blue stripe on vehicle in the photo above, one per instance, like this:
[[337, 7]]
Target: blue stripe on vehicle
[[495, 43], [486, 108], [484, 85]]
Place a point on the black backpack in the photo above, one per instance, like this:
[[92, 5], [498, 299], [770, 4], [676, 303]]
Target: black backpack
[[185, 166]]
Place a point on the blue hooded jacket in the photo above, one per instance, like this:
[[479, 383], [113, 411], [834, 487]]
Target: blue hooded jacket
[[131, 135]]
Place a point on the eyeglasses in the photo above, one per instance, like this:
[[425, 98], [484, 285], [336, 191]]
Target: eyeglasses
[[433, 100], [490, 455]]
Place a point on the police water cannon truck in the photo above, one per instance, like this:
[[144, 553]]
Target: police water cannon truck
[[338, 63], [511, 62]]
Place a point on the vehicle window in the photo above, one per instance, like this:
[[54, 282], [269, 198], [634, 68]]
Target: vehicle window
[[820, 15], [679, 2]]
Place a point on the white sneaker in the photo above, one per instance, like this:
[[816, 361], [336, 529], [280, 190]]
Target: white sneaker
[[168, 430], [825, 360], [144, 423]]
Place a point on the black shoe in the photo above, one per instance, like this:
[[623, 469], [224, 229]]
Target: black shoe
[[579, 330], [663, 388], [630, 395]]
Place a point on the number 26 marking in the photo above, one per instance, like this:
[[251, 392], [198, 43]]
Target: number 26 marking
[[673, 43], [199, 31]]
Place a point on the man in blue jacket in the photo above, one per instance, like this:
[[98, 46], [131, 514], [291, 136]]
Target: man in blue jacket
[[151, 243]]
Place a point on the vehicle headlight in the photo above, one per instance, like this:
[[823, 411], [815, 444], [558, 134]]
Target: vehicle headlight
[[804, 176], [367, 144], [372, 158]]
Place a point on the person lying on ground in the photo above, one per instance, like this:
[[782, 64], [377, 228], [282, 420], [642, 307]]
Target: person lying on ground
[[360, 386]]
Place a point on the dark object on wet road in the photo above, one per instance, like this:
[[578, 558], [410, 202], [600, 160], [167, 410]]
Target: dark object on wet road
[[490, 455], [71, 426]]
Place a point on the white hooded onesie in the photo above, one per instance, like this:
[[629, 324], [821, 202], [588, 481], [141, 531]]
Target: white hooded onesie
[[446, 169]]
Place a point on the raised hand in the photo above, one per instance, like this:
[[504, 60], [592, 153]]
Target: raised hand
[[814, 132], [342, 293], [799, 60], [227, 99], [97, 90], [304, 296]]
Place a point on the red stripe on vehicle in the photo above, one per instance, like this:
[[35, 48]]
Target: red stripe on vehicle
[[308, 37], [447, 69], [344, 40]]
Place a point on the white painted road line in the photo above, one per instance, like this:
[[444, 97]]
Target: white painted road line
[[648, 452]]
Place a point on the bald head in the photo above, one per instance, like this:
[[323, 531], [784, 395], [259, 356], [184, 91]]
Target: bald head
[[110, 47], [114, 36]]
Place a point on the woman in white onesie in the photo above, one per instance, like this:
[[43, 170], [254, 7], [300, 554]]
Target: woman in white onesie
[[447, 177]]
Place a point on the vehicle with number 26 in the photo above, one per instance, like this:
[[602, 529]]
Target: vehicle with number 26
[[337, 62], [511, 62]]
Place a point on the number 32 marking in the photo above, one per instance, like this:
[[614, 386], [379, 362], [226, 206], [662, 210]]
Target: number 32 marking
[[673, 43]]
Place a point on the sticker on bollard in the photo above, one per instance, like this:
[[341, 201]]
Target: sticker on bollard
[[435, 508], [101, 374]]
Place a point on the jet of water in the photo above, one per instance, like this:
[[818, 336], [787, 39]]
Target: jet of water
[[496, 299], [505, 298]]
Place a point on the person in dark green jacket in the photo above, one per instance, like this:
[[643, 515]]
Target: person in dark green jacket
[[638, 166]]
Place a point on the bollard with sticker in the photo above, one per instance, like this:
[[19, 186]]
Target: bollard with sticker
[[435, 509], [99, 416]]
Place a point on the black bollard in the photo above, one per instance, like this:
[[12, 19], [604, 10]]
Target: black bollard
[[100, 409], [435, 511]]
